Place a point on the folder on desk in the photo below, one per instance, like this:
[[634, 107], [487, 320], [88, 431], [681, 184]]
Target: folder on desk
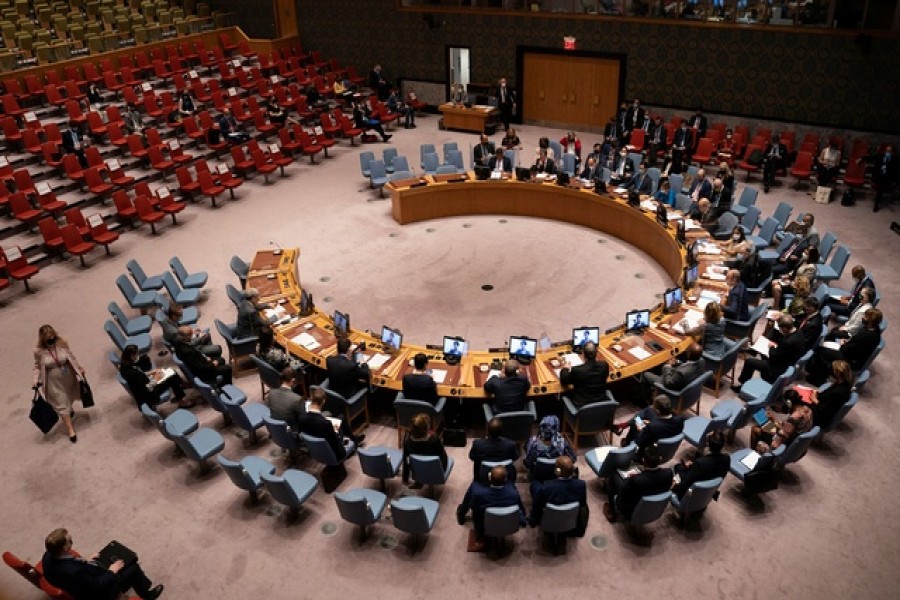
[[750, 460], [762, 345], [601, 453], [306, 340]]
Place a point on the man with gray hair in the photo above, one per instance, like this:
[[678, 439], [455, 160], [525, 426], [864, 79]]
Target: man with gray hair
[[249, 322]]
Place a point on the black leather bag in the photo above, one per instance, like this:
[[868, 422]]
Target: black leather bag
[[42, 414], [87, 395]]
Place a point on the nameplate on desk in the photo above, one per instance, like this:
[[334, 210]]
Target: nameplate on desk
[[192, 74], [113, 164], [95, 220], [163, 192], [12, 254], [222, 168], [43, 188], [146, 86]]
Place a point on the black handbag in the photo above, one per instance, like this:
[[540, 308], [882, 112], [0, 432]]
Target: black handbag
[[42, 414], [87, 396]]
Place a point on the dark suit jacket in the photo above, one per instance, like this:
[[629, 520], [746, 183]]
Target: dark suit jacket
[[345, 376], [642, 183], [420, 386], [612, 130], [651, 135], [627, 172], [249, 322], [855, 297], [196, 362], [556, 491], [314, 424], [708, 466], [830, 402], [70, 139], [786, 354], [645, 483], [679, 376], [510, 393], [630, 121], [658, 429], [510, 99], [588, 381], [700, 122], [548, 166], [491, 450], [682, 137], [507, 164], [811, 329], [80, 579], [286, 406], [737, 305], [480, 497], [860, 347], [482, 154], [705, 188], [431, 446]]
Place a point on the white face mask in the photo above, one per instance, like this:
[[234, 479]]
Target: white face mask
[[736, 237]]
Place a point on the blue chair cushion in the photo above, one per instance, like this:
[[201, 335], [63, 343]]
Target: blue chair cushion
[[430, 506], [303, 484], [255, 467], [755, 388], [207, 442]]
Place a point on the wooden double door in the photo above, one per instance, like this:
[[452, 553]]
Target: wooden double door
[[570, 90]]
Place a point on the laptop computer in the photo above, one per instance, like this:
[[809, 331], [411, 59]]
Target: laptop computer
[[114, 551]]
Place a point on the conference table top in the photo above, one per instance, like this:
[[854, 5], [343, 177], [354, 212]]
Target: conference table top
[[311, 336]]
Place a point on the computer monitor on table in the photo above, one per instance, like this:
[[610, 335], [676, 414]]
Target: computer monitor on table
[[454, 349], [391, 338], [637, 320], [672, 299], [341, 323], [482, 172], [583, 335], [523, 173], [690, 276], [523, 349]]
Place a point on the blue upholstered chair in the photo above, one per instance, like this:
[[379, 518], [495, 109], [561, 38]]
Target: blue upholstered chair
[[200, 447], [736, 329], [377, 175], [649, 509], [415, 516], [766, 232], [188, 280], [770, 255], [136, 300], [720, 365], [516, 424], [430, 163], [365, 160], [689, 396], [145, 282], [131, 326], [361, 507], [501, 521], [697, 428], [613, 459], [240, 268], [178, 295], [320, 451], [750, 220], [142, 341], [380, 462], [697, 498], [668, 447], [762, 477], [589, 419], [181, 421], [407, 408], [247, 474], [427, 470], [237, 347], [559, 519], [248, 416], [286, 439], [292, 489], [213, 397], [351, 408], [387, 155], [425, 149], [760, 388], [835, 268], [747, 199]]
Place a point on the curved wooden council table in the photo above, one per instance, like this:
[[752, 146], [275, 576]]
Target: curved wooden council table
[[312, 338]]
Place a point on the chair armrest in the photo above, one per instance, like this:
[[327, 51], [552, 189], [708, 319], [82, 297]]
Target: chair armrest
[[488, 413], [570, 408], [665, 390], [323, 385], [357, 396], [439, 407], [530, 408], [399, 396]]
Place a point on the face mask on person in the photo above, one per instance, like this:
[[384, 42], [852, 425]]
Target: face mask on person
[[736, 237], [51, 341]]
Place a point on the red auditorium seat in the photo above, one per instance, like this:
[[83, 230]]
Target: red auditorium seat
[[17, 265], [75, 244]]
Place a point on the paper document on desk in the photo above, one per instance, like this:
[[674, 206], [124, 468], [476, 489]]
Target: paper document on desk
[[439, 375], [691, 224], [835, 295], [762, 345], [496, 175], [639, 353], [715, 276], [750, 460], [690, 322], [573, 359], [378, 361], [648, 205], [602, 452], [620, 190], [306, 340], [710, 249], [493, 373], [831, 345], [275, 313]]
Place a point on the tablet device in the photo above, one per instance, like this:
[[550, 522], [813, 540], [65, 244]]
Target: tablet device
[[391, 337], [637, 320], [341, 323], [672, 299], [454, 346], [583, 335], [522, 348]]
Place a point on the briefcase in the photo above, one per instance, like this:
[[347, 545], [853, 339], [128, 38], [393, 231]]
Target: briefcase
[[42, 414], [87, 395]]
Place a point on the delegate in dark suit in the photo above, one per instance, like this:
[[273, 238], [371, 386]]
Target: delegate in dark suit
[[84, 580], [641, 183], [622, 170], [588, 381], [556, 491], [484, 152], [682, 142], [506, 102], [737, 305], [316, 425], [656, 139], [830, 401], [544, 165], [200, 365], [856, 351], [493, 448], [811, 328], [138, 383], [345, 376], [624, 496], [73, 143], [420, 386], [286, 406], [708, 466], [781, 356], [480, 497], [510, 392]]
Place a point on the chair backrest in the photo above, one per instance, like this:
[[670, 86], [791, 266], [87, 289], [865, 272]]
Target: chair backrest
[[676, 182], [430, 163], [691, 393], [239, 268], [777, 388], [178, 268], [354, 508], [597, 415], [320, 450], [426, 469], [171, 285], [726, 223], [206, 391], [669, 446], [750, 219], [400, 163], [845, 408], [798, 447], [568, 164], [407, 408], [454, 157], [377, 169], [236, 473], [781, 214], [116, 311], [650, 508], [839, 260], [280, 490], [237, 414], [767, 231], [281, 434], [388, 155], [618, 458], [410, 516], [445, 170], [683, 202], [376, 463], [267, 373], [560, 518], [23, 568], [699, 495], [653, 174], [786, 241], [748, 196], [517, 424], [449, 147], [426, 149], [826, 245], [236, 297], [501, 521], [115, 334]]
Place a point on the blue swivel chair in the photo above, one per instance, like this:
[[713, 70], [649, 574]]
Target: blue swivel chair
[[188, 280], [247, 474], [415, 516], [320, 451], [611, 459], [181, 421], [407, 408], [649, 509], [240, 268], [697, 498], [135, 326], [430, 163], [589, 419], [292, 489], [500, 522], [142, 341], [380, 462], [178, 295], [427, 470], [365, 160], [136, 300], [689, 396], [200, 447], [284, 437], [249, 416], [361, 507], [145, 282], [557, 520], [378, 176], [668, 447], [387, 155]]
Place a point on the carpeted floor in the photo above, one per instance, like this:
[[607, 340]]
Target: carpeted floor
[[829, 531]]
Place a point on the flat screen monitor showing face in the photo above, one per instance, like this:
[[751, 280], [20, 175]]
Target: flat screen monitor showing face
[[341, 323], [391, 337], [522, 346], [690, 276], [455, 346], [636, 320], [662, 215], [672, 299], [583, 335]]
